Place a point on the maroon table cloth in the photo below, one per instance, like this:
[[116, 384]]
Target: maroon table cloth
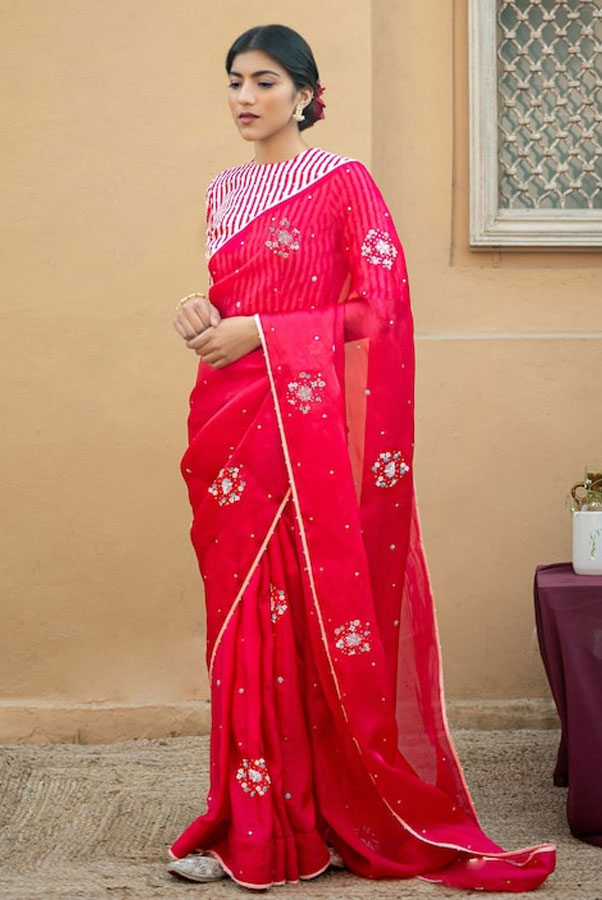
[[568, 612]]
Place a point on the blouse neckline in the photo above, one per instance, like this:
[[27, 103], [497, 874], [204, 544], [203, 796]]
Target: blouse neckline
[[280, 162]]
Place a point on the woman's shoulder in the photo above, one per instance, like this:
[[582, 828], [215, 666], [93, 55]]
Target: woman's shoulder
[[312, 161], [356, 167], [353, 177], [344, 177], [344, 168], [316, 165], [327, 161], [227, 176]]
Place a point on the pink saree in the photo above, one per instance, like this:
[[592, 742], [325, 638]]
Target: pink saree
[[328, 725]]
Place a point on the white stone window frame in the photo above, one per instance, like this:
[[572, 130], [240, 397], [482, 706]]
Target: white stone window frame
[[490, 224]]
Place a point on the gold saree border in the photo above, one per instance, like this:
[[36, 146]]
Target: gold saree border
[[262, 887], [299, 517], [247, 578], [421, 837]]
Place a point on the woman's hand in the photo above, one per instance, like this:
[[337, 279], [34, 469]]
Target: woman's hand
[[222, 344], [194, 316]]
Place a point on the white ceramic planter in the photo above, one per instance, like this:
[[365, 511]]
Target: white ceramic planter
[[587, 542]]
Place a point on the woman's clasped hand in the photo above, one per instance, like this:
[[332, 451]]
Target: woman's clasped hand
[[218, 341]]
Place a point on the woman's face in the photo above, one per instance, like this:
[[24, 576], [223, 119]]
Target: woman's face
[[262, 96]]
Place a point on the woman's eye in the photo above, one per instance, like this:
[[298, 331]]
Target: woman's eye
[[265, 84], [234, 84]]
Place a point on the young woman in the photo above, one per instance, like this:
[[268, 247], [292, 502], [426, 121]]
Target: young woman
[[329, 743]]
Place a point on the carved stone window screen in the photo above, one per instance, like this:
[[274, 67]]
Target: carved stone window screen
[[535, 122]]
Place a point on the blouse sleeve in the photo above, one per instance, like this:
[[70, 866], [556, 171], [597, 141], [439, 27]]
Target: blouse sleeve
[[377, 269]]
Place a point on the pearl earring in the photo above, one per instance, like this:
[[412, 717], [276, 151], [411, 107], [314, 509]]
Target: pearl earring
[[298, 114]]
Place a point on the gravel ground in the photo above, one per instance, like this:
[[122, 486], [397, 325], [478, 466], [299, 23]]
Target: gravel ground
[[95, 821]]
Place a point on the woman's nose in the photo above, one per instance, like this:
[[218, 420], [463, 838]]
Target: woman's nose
[[246, 93]]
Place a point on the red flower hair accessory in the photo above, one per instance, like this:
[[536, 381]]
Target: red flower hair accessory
[[319, 102]]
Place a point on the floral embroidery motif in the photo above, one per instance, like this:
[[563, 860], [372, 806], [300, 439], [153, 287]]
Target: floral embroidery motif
[[305, 391], [253, 776], [353, 637], [228, 486], [284, 239], [379, 249], [278, 603], [389, 468], [368, 837]]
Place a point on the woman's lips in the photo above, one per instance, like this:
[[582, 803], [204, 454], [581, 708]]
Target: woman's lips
[[247, 117]]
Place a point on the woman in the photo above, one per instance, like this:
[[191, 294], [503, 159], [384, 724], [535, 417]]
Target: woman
[[329, 743]]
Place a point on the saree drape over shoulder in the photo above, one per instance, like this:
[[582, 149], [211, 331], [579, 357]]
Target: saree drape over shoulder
[[328, 723]]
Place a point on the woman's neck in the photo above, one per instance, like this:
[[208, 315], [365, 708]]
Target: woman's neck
[[278, 148]]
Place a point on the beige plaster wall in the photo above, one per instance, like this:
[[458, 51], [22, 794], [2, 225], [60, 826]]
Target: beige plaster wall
[[116, 121]]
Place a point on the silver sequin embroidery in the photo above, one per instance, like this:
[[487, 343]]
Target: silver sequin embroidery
[[253, 777], [284, 239], [305, 391], [353, 637], [228, 485], [389, 468], [278, 602], [378, 248]]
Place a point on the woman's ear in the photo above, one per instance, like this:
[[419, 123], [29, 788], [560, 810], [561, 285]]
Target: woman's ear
[[304, 96]]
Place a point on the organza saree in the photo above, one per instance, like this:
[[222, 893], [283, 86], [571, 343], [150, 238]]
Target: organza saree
[[328, 724]]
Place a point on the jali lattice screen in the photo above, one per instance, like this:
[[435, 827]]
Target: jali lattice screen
[[549, 77]]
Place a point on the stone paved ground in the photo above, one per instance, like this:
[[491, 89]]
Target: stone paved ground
[[95, 821]]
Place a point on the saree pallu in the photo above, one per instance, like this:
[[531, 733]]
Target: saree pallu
[[328, 722]]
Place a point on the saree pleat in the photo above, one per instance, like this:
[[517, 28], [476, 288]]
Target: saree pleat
[[328, 719]]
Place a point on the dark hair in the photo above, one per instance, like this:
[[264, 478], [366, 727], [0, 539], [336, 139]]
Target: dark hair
[[294, 54]]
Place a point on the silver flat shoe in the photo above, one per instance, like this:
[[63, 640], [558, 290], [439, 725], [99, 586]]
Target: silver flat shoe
[[196, 867], [336, 860]]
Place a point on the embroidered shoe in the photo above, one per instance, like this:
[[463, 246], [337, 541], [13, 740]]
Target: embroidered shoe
[[196, 867]]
